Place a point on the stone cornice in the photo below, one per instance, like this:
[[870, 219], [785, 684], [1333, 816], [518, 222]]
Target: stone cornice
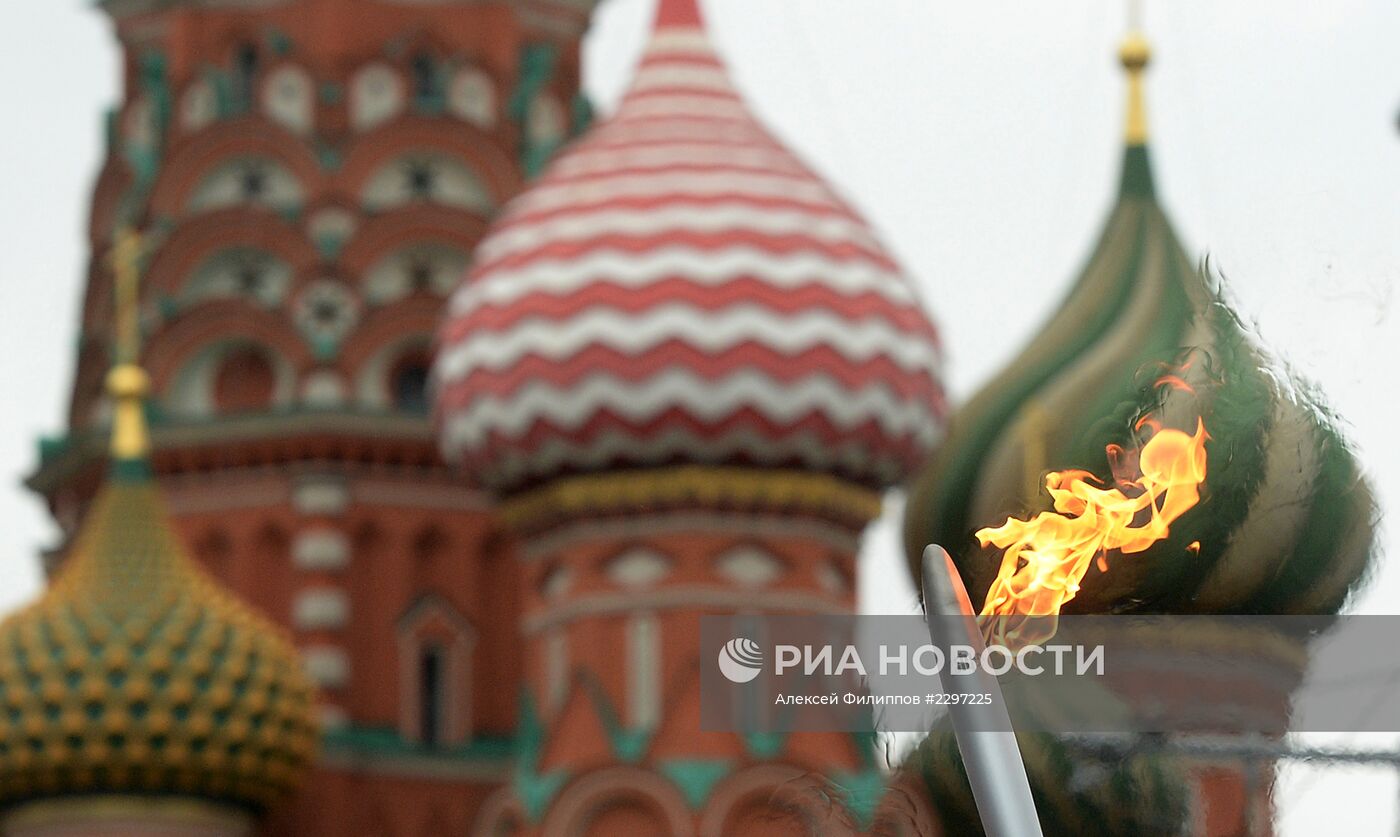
[[597, 496], [276, 438]]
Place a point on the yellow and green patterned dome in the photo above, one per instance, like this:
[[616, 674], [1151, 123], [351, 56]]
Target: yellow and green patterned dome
[[136, 673]]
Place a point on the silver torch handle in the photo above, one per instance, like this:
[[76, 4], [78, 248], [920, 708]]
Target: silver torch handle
[[988, 746]]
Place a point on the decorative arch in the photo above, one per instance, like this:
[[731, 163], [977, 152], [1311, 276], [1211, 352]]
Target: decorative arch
[[227, 140], [426, 175], [488, 159], [414, 319], [247, 180], [501, 815], [435, 644], [235, 272], [769, 800], [195, 241], [396, 377], [383, 235], [619, 800], [422, 267], [226, 322], [230, 377]]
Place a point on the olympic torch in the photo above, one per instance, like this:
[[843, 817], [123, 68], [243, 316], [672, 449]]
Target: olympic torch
[[985, 737]]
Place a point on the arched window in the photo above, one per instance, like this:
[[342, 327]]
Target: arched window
[[397, 378], [626, 816], [435, 667], [230, 376], [431, 665], [408, 384]]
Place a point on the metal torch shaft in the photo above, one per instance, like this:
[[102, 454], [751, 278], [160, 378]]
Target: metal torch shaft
[[988, 746]]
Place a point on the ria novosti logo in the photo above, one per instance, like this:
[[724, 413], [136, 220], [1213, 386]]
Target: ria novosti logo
[[740, 660]]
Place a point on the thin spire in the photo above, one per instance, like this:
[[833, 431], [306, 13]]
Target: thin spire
[[679, 14], [1135, 53], [127, 383]]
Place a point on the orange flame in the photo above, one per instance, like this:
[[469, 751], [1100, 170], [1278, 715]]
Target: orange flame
[[1045, 558]]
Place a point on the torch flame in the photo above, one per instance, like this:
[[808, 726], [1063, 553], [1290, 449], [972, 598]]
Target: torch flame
[[1045, 558]]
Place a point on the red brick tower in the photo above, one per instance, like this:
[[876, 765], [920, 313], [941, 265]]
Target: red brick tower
[[314, 175], [687, 369]]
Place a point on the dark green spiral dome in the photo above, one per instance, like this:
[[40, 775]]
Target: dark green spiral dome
[[1286, 521]]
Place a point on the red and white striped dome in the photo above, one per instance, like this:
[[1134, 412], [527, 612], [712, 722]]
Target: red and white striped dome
[[678, 288]]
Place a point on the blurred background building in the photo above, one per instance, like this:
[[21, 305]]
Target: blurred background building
[[676, 382]]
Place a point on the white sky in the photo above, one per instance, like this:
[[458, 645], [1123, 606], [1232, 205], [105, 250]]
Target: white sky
[[981, 139]]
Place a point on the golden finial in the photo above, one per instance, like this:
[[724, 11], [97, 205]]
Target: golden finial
[[1135, 53], [127, 383]]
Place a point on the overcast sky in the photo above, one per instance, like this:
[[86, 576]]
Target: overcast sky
[[981, 139]]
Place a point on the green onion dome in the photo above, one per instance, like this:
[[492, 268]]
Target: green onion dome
[[136, 673], [1285, 523]]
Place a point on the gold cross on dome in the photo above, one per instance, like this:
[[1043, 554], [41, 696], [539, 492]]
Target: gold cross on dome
[[125, 260]]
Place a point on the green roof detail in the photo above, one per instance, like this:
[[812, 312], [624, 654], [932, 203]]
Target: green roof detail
[[534, 790], [628, 745], [695, 777], [765, 745], [537, 66]]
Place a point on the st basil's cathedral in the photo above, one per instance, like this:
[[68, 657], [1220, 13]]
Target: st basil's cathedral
[[419, 416]]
